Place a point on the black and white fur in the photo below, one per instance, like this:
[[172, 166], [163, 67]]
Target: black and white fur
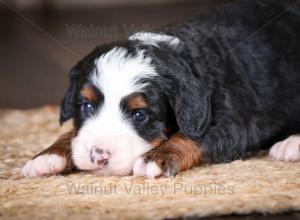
[[230, 95]]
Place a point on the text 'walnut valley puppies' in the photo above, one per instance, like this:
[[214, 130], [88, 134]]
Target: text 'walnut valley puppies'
[[160, 103]]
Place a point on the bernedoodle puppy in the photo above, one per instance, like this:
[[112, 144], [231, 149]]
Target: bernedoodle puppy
[[162, 102]]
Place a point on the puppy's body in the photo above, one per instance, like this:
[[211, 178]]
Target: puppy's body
[[162, 103], [252, 77]]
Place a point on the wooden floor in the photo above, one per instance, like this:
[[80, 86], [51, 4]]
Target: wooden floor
[[37, 51]]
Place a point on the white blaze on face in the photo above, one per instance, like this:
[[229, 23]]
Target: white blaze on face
[[117, 76]]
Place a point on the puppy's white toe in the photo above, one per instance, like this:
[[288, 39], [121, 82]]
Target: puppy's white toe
[[287, 150], [139, 167], [149, 169], [44, 165], [153, 170]]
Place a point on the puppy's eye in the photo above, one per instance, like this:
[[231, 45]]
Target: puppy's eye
[[139, 115], [87, 108]]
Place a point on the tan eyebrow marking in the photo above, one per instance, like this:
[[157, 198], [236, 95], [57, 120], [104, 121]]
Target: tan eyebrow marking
[[89, 93], [136, 102]]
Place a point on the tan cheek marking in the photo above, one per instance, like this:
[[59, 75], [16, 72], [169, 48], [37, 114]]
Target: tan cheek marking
[[137, 102], [89, 94]]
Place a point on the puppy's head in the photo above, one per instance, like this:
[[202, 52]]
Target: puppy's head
[[120, 106]]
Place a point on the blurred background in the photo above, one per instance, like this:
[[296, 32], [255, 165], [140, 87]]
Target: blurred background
[[41, 40]]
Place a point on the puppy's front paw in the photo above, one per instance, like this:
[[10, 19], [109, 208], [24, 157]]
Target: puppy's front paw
[[44, 165], [154, 164], [287, 150]]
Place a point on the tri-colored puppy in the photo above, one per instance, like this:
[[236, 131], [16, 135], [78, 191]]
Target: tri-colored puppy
[[160, 103]]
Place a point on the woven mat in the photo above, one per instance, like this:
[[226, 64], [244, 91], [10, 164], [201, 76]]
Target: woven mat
[[255, 185]]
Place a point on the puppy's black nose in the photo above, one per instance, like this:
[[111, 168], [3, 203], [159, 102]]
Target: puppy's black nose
[[99, 156], [98, 150]]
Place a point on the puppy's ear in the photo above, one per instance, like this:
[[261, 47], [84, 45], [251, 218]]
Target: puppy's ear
[[191, 103], [193, 115], [67, 104]]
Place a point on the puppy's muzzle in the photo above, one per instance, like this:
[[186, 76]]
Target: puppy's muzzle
[[99, 156]]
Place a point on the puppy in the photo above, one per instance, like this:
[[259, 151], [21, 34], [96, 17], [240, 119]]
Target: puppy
[[160, 103]]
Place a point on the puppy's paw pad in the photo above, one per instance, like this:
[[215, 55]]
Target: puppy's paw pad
[[44, 165], [149, 169], [287, 150]]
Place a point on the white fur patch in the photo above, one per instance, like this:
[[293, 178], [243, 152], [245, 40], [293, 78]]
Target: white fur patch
[[149, 169], [117, 75], [287, 150], [149, 38], [44, 165]]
